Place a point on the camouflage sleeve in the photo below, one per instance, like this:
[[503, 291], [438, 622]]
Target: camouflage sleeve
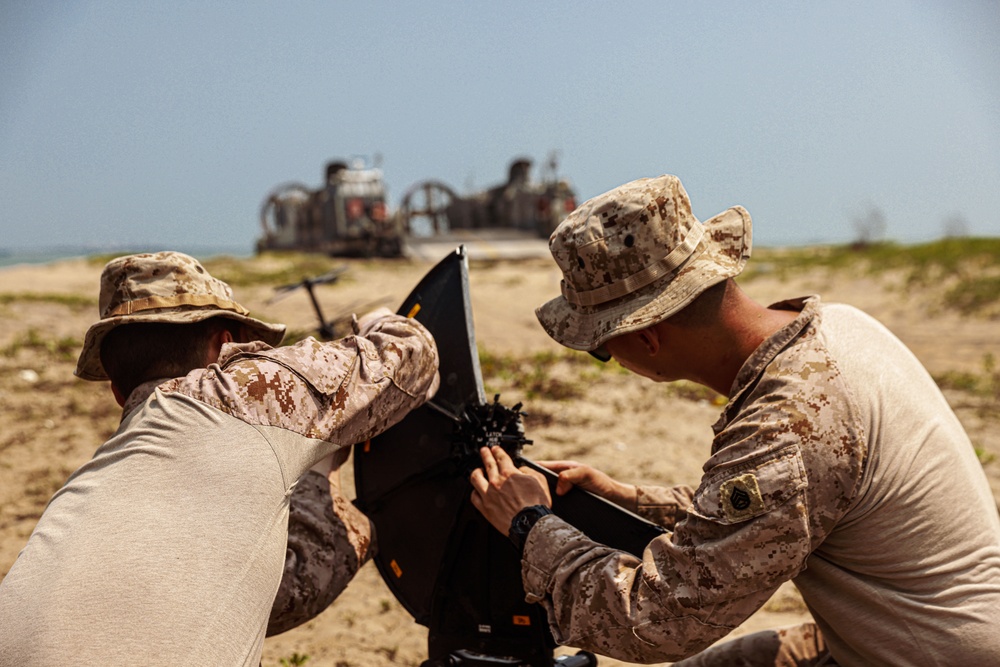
[[328, 541], [783, 472], [344, 391], [615, 604], [691, 587], [664, 506]]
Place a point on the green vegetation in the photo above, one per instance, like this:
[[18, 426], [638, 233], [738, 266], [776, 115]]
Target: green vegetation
[[72, 300], [984, 390], [64, 349], [945, 256], [294, 660], [974, 294], [279, 269], [273, 269], [533, 374], [103, 258], [968, 268], [984, 385], [983, 455]]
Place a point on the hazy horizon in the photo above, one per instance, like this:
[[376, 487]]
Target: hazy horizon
[[125, 125]]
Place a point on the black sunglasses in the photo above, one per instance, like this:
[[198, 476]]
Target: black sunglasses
[[600, 353]]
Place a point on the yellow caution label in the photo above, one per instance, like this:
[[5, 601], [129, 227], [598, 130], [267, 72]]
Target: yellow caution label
[[396, 569], [522, 620], [413, 311]]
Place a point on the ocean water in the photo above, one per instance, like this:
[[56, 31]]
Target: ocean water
[[45, 255], [13, 258]]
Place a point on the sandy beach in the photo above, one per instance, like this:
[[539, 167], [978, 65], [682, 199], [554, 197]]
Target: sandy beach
[[50, 422]]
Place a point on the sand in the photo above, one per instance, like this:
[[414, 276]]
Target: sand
[[50, 423]]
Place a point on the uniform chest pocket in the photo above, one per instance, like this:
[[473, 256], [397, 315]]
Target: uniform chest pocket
[[754, 488], [748, 527]]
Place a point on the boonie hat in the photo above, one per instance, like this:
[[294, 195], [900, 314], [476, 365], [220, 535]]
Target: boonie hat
[[168, 287], [634, 256]]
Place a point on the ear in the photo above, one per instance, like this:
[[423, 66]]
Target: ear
[[118, 395], [219, 338], [650, 337]]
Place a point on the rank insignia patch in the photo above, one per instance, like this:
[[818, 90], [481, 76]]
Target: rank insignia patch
[[740, 497]]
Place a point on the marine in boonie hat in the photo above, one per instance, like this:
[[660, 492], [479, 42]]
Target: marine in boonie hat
[[168, 287], [633, 257]]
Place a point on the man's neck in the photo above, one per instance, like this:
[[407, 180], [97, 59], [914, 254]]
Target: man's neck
[[139, 395], [740, 330]]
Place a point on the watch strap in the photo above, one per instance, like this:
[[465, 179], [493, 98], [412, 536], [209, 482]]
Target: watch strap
[[523, 522]]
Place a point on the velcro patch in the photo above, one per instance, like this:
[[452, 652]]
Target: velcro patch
[[740, 497]]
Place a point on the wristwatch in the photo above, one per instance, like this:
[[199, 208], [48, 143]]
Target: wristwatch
[[523, 522]]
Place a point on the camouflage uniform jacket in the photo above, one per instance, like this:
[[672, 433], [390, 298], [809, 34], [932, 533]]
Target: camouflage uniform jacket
[[329, 539], [836, 463], [173, 537]]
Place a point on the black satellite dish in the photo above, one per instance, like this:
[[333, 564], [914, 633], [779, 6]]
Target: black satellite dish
[[451, 570]]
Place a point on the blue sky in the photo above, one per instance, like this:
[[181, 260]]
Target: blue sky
[[166, 124]]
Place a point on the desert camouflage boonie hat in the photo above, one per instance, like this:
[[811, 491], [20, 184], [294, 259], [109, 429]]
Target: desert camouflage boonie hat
[[167, 287], [634, 256]]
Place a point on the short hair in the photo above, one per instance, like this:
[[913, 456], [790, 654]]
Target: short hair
[[142, 351]]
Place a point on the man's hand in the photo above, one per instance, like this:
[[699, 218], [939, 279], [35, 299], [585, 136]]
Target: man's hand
[[500, 490], [590, 479]]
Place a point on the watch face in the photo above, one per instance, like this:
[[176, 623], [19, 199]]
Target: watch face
[[528, 517], [523, 523]]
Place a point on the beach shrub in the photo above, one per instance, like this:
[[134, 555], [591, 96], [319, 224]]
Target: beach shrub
[[65, 348], [273, 270], [74, 301], [535, 374], [966, 269]]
